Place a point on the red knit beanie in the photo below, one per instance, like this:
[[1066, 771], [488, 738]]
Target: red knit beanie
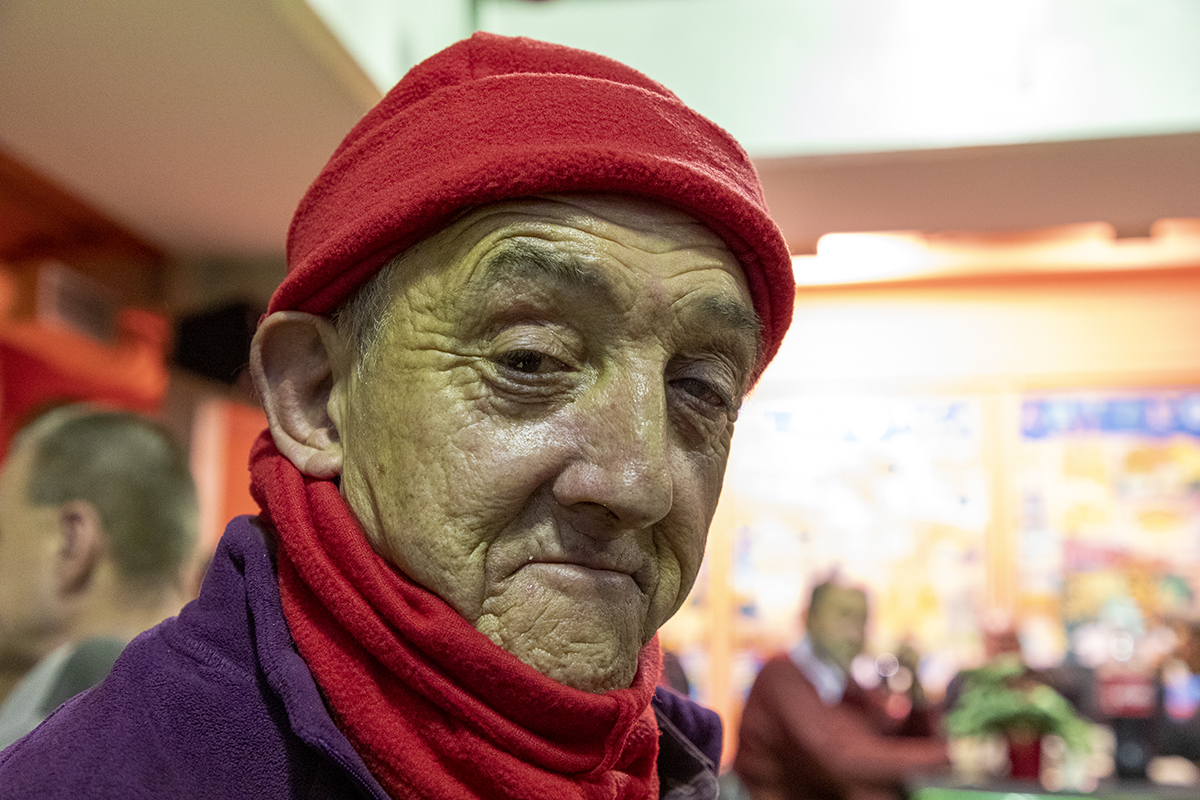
[[493, 118]]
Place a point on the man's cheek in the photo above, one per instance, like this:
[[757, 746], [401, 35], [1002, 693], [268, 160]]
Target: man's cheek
[[515, 452]]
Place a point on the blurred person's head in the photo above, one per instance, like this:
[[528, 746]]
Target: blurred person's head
[[1003, 641], [98, 521], [1187, 647], [836, 621]]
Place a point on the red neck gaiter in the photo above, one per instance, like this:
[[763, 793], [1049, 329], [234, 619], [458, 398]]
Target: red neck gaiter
[[435, 709]]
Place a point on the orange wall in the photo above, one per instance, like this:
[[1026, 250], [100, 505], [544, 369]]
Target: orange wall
[[1131, 328]]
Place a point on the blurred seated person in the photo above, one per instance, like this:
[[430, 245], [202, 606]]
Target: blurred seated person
[[809, 730], [98, 521], [1178, 724], [1000, 644], [1002, 647]]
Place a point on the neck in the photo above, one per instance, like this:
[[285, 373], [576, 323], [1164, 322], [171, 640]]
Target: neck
[[125, 614], [9, 678], [826, 657]]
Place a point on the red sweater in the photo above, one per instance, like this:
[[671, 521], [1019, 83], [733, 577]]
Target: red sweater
[[792, 745]]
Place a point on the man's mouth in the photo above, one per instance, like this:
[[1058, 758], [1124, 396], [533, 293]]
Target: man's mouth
[[575, 574]]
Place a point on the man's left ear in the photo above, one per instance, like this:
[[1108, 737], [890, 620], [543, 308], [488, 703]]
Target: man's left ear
[[80, 546], [299, 366]]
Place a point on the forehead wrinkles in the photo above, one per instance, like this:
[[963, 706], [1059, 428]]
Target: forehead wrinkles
[[590, 221], [582, 254], [536, 262], [526, 259]]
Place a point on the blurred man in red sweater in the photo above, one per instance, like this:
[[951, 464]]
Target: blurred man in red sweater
[[810, 731]]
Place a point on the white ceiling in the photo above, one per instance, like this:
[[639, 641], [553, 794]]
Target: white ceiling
[[199, 123], [196, 123]]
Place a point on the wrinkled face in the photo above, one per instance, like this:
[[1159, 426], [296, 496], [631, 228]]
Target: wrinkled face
[[838, 625], [27, 550], [540, 432]]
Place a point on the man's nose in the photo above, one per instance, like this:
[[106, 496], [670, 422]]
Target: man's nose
[[620, 472]]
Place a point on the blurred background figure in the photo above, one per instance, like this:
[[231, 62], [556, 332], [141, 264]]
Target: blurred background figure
[[810, 730], [98, 522], [1178, 717], [1000, 644]]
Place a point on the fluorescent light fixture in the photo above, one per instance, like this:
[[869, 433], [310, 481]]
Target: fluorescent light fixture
[[847, 258]]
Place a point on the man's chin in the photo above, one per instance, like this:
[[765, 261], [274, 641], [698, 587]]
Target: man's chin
[[581, 628], [596, 660], [585, 674]]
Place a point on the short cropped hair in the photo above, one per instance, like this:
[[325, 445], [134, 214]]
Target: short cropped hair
[[822, 589], [134, 474]]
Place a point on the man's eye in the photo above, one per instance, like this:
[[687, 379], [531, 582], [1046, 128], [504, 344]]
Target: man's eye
[[530, 362], [702, 391]]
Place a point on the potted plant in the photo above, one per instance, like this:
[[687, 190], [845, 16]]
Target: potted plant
[[1004, 698]]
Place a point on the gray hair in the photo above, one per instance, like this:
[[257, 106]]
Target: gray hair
[[132, 472], [362, 318]]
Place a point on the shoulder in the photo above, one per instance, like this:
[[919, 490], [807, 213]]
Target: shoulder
[[780, 686], [699, 725], [781, 669], [89, 663], [689, 754]]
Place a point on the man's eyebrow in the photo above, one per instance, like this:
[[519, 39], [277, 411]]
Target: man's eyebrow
[[728, 313], [526, 261]]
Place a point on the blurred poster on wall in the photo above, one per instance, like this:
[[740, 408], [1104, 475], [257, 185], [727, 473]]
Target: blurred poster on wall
[[1109, 540]]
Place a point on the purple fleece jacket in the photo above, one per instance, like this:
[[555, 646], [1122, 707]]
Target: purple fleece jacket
[[217, 703]]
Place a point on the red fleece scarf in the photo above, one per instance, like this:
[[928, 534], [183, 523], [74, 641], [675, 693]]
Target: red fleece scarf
[[435, 709]]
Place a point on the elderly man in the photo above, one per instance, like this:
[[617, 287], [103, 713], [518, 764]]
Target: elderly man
[[810, 732], [97, 526], [525, 298]]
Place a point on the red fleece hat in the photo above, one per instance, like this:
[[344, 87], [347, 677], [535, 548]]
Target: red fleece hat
[[493, 118]]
